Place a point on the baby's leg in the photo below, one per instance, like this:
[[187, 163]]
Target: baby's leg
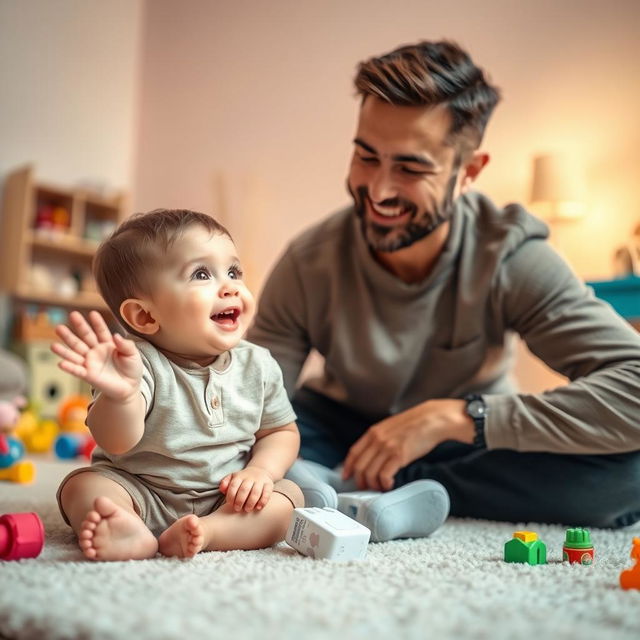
[[227, 529], [102, 515]]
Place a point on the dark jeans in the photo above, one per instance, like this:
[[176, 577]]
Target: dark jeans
[[500, 484]]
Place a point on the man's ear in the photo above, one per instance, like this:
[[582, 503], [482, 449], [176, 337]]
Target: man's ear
[[138, 317], [472, 168]]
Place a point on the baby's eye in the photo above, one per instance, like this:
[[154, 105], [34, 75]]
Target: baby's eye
[[200, 274], [235, 272]]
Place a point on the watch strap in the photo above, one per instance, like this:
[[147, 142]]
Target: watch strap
[[479, 440]]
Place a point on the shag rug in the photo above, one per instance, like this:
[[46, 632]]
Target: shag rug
[[451, 585]]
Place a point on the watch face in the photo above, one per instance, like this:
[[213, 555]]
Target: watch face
[[477, 409]]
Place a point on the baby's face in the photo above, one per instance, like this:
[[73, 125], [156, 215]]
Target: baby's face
[[199, 299]]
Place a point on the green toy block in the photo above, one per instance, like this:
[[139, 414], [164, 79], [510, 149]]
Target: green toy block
[[526, 548]]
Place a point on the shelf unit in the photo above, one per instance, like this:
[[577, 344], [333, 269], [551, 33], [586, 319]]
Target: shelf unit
[[48, 237]]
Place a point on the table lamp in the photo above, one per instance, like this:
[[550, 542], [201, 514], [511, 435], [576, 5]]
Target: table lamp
[[557, 188]]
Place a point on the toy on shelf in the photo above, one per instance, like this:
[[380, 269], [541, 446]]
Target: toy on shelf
[[525, 547], [21, 536], [577, 546], [51, 219], [630, 578]]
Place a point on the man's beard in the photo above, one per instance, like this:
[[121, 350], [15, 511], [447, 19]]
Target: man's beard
[[392, 238]]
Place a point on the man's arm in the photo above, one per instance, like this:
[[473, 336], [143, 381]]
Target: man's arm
[[580, 337], [389, 445], [280, 323]]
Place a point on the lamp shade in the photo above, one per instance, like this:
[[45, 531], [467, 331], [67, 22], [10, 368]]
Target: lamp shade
[[557, 188]]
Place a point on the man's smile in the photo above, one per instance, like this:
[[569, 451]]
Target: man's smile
[[388, 215]]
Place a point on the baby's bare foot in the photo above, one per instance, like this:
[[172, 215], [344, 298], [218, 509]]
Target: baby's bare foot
[[184, 538], [110, 532]]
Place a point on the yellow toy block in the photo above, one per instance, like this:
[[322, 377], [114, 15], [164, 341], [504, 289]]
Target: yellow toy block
[[22, 472], [525, 536]]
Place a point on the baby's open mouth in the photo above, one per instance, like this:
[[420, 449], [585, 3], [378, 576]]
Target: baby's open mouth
[[227, 317]]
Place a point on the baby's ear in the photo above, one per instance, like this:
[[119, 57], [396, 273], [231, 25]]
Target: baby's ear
[[138, 317]]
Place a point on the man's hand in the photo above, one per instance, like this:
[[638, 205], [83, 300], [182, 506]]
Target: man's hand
[[248, 489], [393, 443], [107, 361]]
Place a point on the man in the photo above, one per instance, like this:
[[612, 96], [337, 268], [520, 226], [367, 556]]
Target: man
[[413, 296]]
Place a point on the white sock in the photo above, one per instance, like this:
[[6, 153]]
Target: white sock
[[317, 492], [332, 477], [414, 510]]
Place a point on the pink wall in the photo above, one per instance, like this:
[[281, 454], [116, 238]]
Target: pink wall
[[248, 110], [69, 78]]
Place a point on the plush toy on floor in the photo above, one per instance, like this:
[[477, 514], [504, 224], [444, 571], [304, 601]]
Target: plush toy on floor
[[12, 386]]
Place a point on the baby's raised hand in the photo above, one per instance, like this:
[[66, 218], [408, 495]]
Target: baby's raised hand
[[107, 361], [248, 489]]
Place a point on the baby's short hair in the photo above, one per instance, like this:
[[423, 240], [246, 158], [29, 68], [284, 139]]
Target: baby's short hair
[[124, 261]]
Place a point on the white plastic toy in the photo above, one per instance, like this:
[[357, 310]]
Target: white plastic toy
[[327, 534]]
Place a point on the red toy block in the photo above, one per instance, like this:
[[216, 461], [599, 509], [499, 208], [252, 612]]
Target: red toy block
[[21, 536], [577, 547]]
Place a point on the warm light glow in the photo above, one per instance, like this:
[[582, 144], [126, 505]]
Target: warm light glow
[[557, 189]]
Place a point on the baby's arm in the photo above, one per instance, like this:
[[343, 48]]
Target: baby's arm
[[113, 366], [274, 451]]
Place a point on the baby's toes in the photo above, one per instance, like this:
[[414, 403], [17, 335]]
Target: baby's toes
[[85, 543], [86, 534], [90, 553], [92, 518]]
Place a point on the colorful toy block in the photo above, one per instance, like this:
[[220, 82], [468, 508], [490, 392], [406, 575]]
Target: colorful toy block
[[37, 435], [630, 578], [11, 450], [526, 548], [74, 445], [21, 536], [577, 546], [22, 472]]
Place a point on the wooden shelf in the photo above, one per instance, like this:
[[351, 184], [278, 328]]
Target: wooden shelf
[[82, 300], [63, 243], [48, 238]]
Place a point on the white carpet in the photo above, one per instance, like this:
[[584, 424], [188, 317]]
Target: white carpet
[[452, 585]]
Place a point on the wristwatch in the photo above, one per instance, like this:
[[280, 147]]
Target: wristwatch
[[477, 410]]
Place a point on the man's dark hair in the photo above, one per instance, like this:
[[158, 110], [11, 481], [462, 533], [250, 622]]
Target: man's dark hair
[[432, 73]]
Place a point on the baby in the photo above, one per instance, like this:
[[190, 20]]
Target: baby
[[193, 427]]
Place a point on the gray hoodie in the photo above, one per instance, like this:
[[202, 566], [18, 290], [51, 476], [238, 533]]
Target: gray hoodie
[[388, 345]]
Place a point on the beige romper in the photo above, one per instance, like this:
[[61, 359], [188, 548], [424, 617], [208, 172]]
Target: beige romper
[[200, 425]]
